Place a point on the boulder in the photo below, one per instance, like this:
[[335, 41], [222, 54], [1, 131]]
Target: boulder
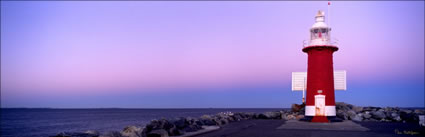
[[357, 109], [419, 111], [351, 114], [343, 106], [398, 118], [408, 117], [378, 115], [191, 120], [217, 121], [296, 107], [132, 131], [367, 115], [158, 133], [237, 117], [199, 123], [290, 117], [249, 115], [224, 121], [208, 122], [272, 115], [394, 115], [262, 116], [341, 114], [406, 111], [283, 116], [298, 117], [230, 118], [357, 117], [302, 111], [181, 123], [175, 132], [92, 132], [371, 108], [154, 124]]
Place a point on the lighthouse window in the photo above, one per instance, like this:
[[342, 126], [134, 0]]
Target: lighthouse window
[[324, 30], [316, 30]]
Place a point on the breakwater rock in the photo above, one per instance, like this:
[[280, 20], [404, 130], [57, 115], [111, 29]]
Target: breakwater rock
[[382, 114], [182, 125]]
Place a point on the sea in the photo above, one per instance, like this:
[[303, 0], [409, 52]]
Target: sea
[[44, 122]]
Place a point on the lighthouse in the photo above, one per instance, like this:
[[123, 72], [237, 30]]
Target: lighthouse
[[320, 93]]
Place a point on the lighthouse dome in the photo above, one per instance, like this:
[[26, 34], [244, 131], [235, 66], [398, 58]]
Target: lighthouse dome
[[319, 25], [320, 20]]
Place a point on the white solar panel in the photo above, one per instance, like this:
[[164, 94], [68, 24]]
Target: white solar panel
[[299, 80], [340, 81]]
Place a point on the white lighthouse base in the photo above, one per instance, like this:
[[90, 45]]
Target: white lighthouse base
[[311, 111]]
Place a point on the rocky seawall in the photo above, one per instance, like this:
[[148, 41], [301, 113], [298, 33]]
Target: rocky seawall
[[181, 126]]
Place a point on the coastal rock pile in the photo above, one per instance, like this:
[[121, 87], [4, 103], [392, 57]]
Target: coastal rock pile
[[387, 114], [179, 126]]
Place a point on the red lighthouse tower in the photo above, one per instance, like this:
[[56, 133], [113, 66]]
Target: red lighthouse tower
[[320, 102]]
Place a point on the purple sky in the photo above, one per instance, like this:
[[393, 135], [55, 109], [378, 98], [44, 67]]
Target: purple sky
[[203, 54]]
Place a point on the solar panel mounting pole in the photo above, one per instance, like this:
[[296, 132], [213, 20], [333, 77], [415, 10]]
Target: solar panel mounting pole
[[304, 90]]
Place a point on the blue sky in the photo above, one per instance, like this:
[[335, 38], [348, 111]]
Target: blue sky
[[187, 54]]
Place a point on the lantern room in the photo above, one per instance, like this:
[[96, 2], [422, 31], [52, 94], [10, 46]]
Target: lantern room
[[320, 32]]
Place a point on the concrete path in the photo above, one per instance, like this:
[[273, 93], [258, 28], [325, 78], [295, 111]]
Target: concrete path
[[280, 128], [341, 126]]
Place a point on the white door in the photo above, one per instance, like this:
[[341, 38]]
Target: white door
[[319, 105]]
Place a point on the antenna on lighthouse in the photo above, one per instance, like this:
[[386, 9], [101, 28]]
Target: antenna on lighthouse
[[329, 14]]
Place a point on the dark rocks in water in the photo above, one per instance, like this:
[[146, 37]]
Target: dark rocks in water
[[357, 109], [351, 114], [199, 123], [238, 117], [298, 117], [207, 120], [175, 132], [132, 131], [297, 108], [386, 114], [343, 106], [93, 132], [283, 115], [181, 123], [302, 111], [408, 117], [341, 114], [419, 111], [158, 133], [291, 117], [224, 121], [367, 115], [394, 115], [262, 116], [357, 117], [272, 115], [378, 114]]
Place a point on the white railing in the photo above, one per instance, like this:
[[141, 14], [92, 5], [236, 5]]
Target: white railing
[[333, 42]]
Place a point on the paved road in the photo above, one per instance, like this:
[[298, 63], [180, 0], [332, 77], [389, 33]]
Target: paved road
[[268, 128]]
